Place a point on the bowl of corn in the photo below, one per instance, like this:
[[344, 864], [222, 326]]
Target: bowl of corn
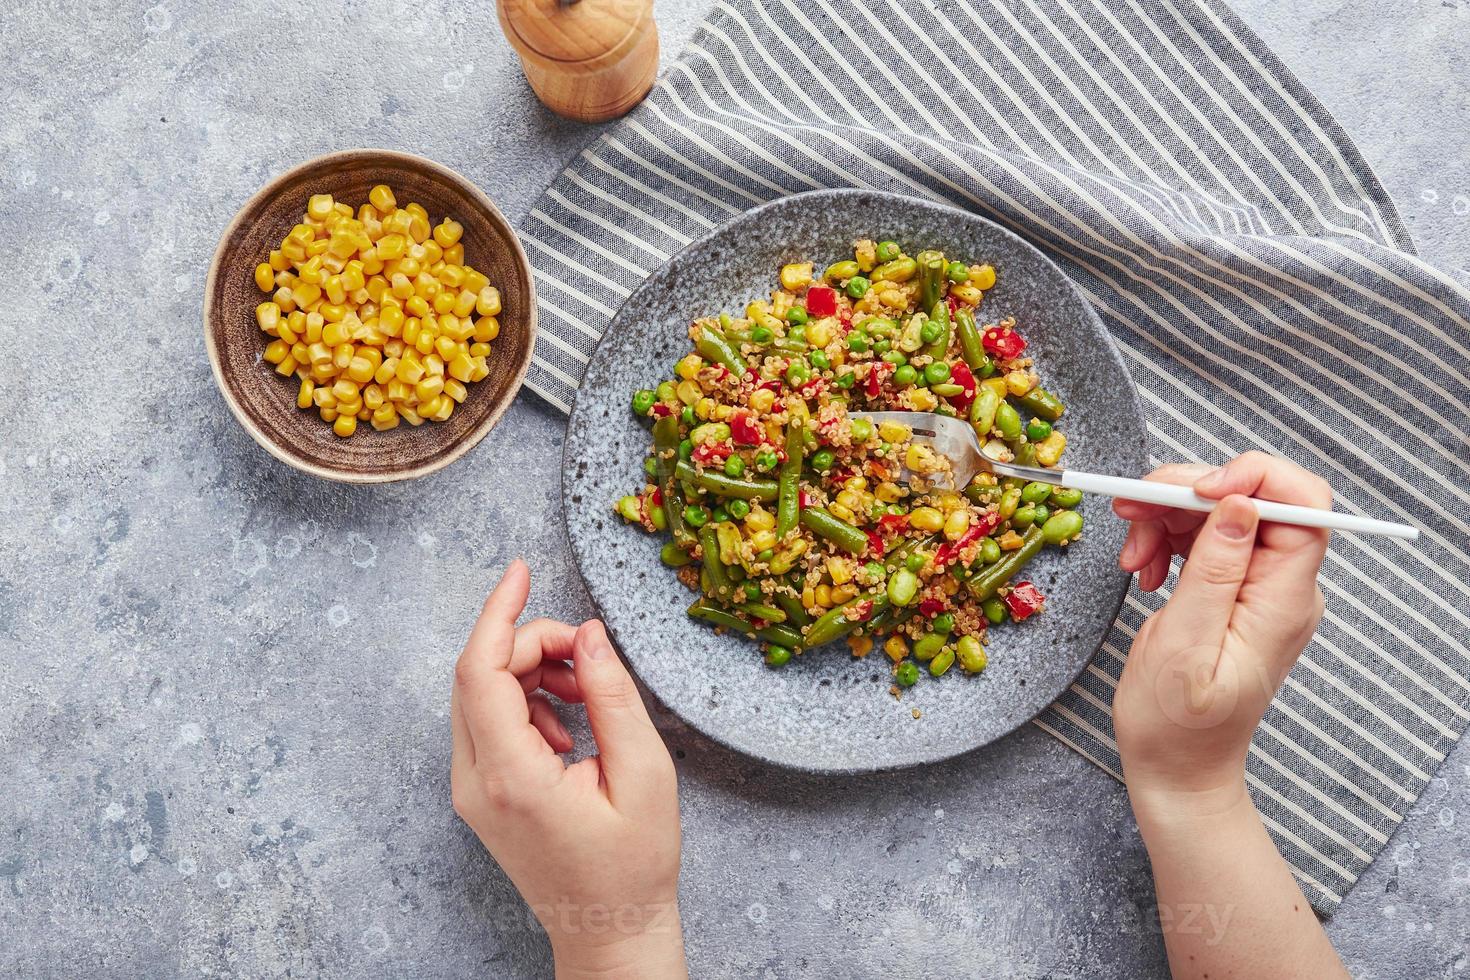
[[369, 315]]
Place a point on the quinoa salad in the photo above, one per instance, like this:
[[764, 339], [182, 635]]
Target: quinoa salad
[[797, 524]]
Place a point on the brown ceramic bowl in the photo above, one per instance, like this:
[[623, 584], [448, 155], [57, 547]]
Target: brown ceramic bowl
[[265, 402]]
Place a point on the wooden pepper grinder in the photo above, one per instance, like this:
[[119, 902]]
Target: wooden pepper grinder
[[589, 60]]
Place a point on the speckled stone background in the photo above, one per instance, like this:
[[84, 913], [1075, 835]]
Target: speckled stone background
[[223, 686]]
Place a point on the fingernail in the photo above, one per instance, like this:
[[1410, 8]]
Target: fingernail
[[1130, 549], [1235, 526], [562, 730], [1211, 480], [597, 646]]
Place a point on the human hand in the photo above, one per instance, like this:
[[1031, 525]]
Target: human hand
[[593, 847], [1203, 669]]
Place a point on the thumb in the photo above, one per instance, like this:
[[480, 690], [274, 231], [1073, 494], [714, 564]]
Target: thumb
[[1216, 569], [630, 748]]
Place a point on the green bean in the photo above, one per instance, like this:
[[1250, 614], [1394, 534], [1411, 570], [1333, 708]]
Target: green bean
[[985, 584], [982, 411], [972, 348], [1062, 526], [834, 624], [1040, 402], [716, 482], [674, 556], [1025, 453], [796, 613], [901, 269], [719, 576], [1066, 497], [931, 281], [759, 610], [939, 314], [834, 529], [788, 490], [1008, 421], [778, 633], [665, 454], [713, 346]]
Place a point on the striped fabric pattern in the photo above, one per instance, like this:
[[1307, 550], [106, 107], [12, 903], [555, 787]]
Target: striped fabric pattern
[[1255, 274]]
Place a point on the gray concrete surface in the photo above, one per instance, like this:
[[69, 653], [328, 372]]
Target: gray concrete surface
[[223, 685]]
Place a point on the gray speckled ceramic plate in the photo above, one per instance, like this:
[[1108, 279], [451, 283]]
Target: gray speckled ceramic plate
[[826, 711]]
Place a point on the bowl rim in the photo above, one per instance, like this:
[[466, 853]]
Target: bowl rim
[[288, 456], [942, 755]]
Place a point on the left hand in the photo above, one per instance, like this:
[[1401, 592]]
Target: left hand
[[592, 847]]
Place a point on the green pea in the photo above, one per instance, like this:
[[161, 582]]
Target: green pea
[[734, 466], [631, 508], [907, 674], [696, 516], [674, 556], [762, 335], [650, 466], [1066, 497], [957, 272], [687, 415], [903, 585], [926, 646], [797, 372], [796, 314], [944, 623], [936, 372], [752, 591], [1024, 517], [857, 341], [905, 375], [1042, 515], [1035, 493], [1008, 421], [861, 430], [888, 251], [719, 515], [765, 554], [995, 610], [820, 360], [822, 460], [989, 551], [846, 379], [971, 655], [896, 509], [881, 347], [686, 448], [858, 286], [930, 331], [797, 333], [777, 655], [643, 400], [1062, 526], [666, 392], [739, 509], [1038, 429], [916, 562], [838, 271], [942, 661], [765, 460]]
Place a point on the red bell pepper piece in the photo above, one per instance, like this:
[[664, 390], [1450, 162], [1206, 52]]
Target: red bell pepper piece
[[708, 453], [875, 543], [893, 523], [805, 500], [929, 608], [1024, 600], [658, 497], [954, 304], [960, 374], [877, 372], [746, 430], [821, 301], [1003, 342], [660, 410], [860, 611], [949, 552]]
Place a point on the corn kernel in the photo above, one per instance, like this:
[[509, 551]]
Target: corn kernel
[[982, 276], [287, 367], [319, 206], [894, 432], [956, 524], [838, 510], [889, 493], [896, 648], [819, 334], [304, 394], [967, 293], [456, 390], [823, 595], [1019, 382], [448, 232], [381, 197], [860, 646], [268, 316], [796, 276], [385, 418], [265, 277], [839, 570], [1049, 450], [276, 351], [345, 425], [488, 302], [926, 519], [485, 329], [760, 520], [479, 349], [841, 593]]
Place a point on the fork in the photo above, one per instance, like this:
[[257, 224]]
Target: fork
[[955, 438]]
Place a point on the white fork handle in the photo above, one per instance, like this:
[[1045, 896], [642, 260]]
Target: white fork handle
[[1173, 495]]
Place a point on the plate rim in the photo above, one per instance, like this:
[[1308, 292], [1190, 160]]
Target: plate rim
[[1114, 352]]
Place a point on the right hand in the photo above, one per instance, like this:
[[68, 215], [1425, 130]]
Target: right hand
[[1203, 669]]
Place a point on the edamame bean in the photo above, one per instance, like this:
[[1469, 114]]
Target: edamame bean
[[1008, 421], [903, 585], [674, 556], [630, 508], [1035, 493], [896, 357], [686, 448], [857, 341], [1062, 527], [942, 661], [1010, 499], [989, 551], [650, 466], [1066, 497], [926, 646], [838, 271], [971, 655], [995, 610], [1024, 517], [665, 391], [1043, 513], [777, 655]]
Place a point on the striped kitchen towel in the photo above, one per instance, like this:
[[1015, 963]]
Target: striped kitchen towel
[[1255, 274]]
